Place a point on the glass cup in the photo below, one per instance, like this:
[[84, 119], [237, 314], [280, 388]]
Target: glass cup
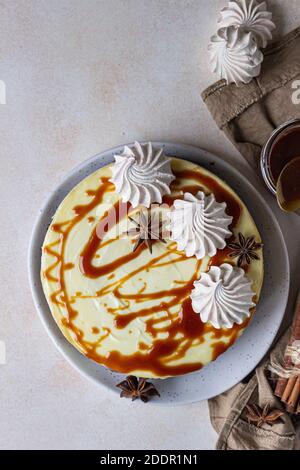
[[267, 152]]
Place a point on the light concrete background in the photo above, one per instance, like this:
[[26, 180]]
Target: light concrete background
[[82, 76]]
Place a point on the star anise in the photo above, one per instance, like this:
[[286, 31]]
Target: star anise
[[135, 388], [260, 416], [146, 230], [245, 250]]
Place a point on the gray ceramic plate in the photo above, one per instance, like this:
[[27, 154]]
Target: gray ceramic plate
[[238, 361]]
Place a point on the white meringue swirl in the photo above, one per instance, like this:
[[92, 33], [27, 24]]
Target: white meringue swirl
[[142, 175], [235, 55], [251, 16], [223, 296], [199, 225]]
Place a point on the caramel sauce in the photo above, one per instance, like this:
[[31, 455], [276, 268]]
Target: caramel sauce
[[69, 266], [114, 215], [177, 294], [181, 326], [219, 348], [288, 186], [284, 149]]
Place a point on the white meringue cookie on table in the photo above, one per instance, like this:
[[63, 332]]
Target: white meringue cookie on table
[[223, 296], [199, 225], [251, 16], [235, 55], [142, 175]]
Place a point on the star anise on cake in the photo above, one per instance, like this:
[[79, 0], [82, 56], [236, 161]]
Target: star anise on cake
[[259, 416], [245, 250], [147, 229], [135, 388]]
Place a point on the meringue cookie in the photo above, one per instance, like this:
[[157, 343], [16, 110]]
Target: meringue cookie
[[235, 55], [250, 16], [142, 175], [223, 296], [199, 225]]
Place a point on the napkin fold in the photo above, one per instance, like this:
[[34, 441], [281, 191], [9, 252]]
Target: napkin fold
[[248, 114], [228, 413]]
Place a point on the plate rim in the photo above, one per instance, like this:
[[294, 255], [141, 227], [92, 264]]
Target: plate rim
[[37, 292]]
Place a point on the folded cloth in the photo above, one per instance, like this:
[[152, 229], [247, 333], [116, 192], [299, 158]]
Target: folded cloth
[[248, 114], [228, 413]]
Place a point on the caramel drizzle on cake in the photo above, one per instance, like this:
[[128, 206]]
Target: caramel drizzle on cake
[[184, 329]]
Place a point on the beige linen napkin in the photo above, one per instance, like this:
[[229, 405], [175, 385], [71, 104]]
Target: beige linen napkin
[[248, 114], [228, 413]]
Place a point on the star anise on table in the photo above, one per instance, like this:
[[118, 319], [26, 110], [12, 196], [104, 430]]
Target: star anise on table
[[245, 250], [146, 230], [135, 388], [260, 416]]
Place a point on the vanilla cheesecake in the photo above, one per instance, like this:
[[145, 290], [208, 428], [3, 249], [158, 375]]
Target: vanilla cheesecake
[[163, 308]]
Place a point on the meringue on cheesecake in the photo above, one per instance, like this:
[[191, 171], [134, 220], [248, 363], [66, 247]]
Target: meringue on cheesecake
[[154, 307]]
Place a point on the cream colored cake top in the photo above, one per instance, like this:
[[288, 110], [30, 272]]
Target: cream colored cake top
[[128, 310]]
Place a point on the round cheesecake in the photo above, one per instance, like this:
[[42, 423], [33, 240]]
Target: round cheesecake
[[128, 309]]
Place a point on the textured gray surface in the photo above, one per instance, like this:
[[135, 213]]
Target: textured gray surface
[[83, 76]]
